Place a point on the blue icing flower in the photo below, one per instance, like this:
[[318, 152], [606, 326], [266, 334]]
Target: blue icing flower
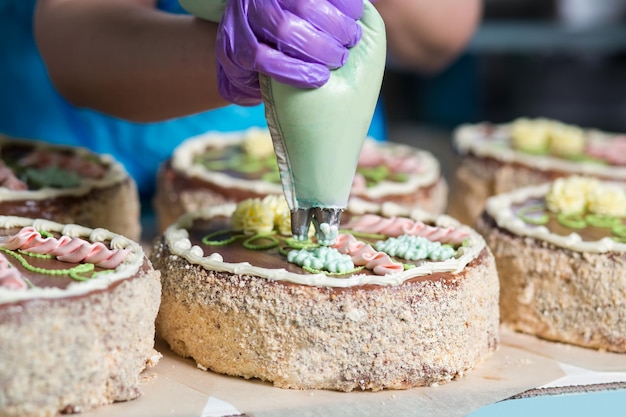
[[322, 258]]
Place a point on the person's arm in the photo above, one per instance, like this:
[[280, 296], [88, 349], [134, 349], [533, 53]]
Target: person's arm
[[127, 59], [427, 34]]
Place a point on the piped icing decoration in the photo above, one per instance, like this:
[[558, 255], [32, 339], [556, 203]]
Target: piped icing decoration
[[383, 168], [414, 248], [363, 254], [322, 258], [398, 226], [580, 195], [39, 170], [121, 260], [65, 248], [578, 213], [9, 180], [547, 145], [177, 238], [10, 277]]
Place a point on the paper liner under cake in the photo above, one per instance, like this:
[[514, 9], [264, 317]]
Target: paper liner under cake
[[308, 331], [559, 287], [183, 185], [72, 348]]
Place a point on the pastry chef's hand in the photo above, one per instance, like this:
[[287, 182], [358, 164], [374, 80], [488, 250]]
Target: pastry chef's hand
[[296, 42]]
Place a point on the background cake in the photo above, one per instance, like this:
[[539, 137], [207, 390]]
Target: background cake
[[560, 250], [77, 310], [216, 168], [67, 185], [499, 158], [243, 298]]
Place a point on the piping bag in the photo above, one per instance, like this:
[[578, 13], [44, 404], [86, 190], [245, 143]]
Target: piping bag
[[318, 133]]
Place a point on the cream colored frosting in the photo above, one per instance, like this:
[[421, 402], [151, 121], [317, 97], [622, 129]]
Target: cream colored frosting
[[114, 174], [129, 266], [500, 208], [177, 239], [471, 138], [183, 161]]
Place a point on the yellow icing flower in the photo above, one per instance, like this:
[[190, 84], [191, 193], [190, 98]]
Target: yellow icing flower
[[258, 142], [566, 140], [569, 195], [608, 200], [252, 216], [530, 135], [282, 215]]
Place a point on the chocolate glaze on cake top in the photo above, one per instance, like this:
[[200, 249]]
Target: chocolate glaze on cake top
[[386, 249], [35, 170], [247, 161], [44, 259], [577, 213], [546, 145]]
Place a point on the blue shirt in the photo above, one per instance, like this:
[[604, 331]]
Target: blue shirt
[[30, 107]]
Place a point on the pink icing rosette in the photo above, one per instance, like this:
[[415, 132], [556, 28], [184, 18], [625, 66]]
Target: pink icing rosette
[[398, 226], [10, 277], [363, 254], [613, 151], [65, 248]]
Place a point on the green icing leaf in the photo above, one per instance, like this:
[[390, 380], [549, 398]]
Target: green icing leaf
[[54, 177]]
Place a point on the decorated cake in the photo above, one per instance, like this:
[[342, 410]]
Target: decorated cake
[[67, 185], [560, 249], [77, 311], [497, 158], [216, 168], [396, 301]]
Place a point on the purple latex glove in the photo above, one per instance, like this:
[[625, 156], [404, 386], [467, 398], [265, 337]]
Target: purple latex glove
[[296, 42]]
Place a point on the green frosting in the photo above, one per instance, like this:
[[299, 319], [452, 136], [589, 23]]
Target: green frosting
[[322, 258], [318, 133], [415, 248]]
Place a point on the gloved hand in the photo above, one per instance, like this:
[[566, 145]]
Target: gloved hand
[[296, 42]]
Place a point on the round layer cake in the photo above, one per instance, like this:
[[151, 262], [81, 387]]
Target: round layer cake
[[497, 158], [560, 250], [396, 302], [216, 168], [67, 185], [77, 311]]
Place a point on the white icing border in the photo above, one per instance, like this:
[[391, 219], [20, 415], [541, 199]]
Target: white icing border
[[499, 207], [115, 173], [177, 239], [183, 156], [128, 268], [470, 138]]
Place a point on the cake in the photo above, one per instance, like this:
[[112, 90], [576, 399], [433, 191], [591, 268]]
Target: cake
[[216, 168], [77, 311], [397, 301], [497, 158], [67, 185], [560, 251]]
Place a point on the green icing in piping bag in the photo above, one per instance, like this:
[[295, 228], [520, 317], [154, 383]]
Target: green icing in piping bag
[[318, 133]]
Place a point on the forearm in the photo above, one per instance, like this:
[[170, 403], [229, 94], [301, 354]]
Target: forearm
[[427, 35], [124, 58]]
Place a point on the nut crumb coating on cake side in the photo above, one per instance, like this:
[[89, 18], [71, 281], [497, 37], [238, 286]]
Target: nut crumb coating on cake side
[[420, 333], [71, 347], [567, 287]]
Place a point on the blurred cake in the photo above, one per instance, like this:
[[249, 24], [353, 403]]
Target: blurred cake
[[216, 168], [67, 185], [77, 311], [560, 249], [396, 302], [497, 158]]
